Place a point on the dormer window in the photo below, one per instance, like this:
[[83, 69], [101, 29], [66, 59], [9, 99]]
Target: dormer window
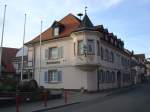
[[56, 31], [58, 28]]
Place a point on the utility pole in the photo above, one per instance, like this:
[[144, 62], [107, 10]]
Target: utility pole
[[1, 49]]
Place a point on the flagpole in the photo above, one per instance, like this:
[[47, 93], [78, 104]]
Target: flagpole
[[40, 51], [22, 63], [2, 41]]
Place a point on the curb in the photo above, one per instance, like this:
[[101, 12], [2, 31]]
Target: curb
[[119, 91], [55, 107]]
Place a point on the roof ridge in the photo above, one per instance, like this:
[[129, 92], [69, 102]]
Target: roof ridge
[[70, 14]]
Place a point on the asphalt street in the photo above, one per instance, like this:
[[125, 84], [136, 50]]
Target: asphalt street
[[135, 100]]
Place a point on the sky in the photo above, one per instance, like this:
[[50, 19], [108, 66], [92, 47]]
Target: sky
[[128, 19]]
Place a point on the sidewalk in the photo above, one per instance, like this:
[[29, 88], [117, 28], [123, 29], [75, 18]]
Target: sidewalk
[[73, 97]]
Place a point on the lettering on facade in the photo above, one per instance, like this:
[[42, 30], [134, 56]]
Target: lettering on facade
[[53, 62]]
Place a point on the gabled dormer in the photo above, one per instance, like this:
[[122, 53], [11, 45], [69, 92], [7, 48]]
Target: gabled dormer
[[57, 28]]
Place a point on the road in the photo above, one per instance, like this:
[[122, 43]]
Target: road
[[136, 100]]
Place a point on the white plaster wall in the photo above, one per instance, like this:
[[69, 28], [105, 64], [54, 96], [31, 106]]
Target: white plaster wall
[[72, 78], [92, 80]]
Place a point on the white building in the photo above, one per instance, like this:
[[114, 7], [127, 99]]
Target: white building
[[76, 54], [17, 63]]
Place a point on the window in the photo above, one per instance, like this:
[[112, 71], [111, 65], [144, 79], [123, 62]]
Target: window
[[102, 53], [106, 55], [90, 46], [98, 49], [112, 40], [19, 65], [113, 76], [112, 56], [80, 47], [104, 76], [56, 31], [53, 53], [53, 76], [100, 75], [107, 76], [74, 48]]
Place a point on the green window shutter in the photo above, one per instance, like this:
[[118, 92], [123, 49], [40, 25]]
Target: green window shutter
[[61, 52], [59, 75], [46, 76], [46, 53]]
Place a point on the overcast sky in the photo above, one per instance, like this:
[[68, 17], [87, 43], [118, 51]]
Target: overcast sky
[[128, 19]]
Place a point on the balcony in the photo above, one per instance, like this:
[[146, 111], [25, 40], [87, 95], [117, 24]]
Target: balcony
[[89, 62]]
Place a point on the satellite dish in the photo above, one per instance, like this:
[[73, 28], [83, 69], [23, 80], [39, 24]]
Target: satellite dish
[[80, 15]]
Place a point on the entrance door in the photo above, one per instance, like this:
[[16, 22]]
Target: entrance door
[[119, 79]]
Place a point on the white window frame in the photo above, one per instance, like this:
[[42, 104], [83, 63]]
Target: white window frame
[[56, 31], [53, 76], [50, 56], [51, 53], [80, 47]]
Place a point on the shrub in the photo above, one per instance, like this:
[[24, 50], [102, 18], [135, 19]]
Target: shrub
[[8, 84]]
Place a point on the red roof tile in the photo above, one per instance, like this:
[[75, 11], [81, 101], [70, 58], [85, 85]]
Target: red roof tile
[[70, 23]]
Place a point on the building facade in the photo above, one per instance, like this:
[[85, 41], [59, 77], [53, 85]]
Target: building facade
[[17, 64], [76, 54]]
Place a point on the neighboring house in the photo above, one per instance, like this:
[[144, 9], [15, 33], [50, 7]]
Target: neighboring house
[[7, 66], [136, 70], [17, 63], [141, 59], [147, 64], [76, 54]]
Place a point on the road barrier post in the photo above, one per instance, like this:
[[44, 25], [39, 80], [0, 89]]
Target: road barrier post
[[66, 96], [45, 98], [17, 102]]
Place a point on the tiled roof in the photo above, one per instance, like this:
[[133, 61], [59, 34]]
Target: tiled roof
[[86, 22], [7, 55], [140, 56], [70, 23]]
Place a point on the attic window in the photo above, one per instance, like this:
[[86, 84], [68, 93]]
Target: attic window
[[56, 31]]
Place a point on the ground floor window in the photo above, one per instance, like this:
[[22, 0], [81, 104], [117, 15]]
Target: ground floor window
[[106, 76], [53, 76]]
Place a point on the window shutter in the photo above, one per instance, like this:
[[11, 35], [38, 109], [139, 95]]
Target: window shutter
[[46, 53], [59, 75], [61, 52], [50, 76], [46, 76], [49, 53]]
